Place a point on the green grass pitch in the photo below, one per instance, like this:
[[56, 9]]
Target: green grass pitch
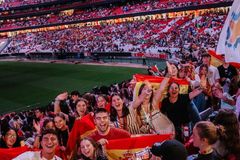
[[25, 84]]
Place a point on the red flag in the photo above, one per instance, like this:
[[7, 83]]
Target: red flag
[[8, 154], [81, 128]]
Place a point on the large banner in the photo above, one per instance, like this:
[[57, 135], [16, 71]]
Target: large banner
[[229, 41], [129, 148]]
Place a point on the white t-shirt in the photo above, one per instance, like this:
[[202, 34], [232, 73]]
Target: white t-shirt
[[30, 155], [213, 74]]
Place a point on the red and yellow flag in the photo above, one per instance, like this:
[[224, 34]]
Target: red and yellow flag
[[125, 149], [156, 81]]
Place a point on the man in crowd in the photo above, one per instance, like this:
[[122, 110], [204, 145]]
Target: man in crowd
[[49, 142], [104, 132], [213, 73]]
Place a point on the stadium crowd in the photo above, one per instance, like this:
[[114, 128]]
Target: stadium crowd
[[148, 36], [119, 112], [99, 12]]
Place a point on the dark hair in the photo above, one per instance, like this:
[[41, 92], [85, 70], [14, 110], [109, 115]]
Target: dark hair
[[41, 109], [166, 69], [170, 86], [98, 153], [46, 121], [202, 66], [103, 96], [48, 131], [209, 131], [139, 108], [113, 111], [228, 119], [76, 93], [3, 142], [100, 110]]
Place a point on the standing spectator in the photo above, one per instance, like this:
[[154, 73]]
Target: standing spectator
[[228, 74], [122, 116], [179, 108], [213, 74], [146, 103]]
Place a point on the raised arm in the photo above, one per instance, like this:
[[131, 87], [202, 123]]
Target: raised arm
[[61, 97], [159, 92]]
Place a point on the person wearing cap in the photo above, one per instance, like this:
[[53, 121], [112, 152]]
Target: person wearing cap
[[169, 150], [213, 73]]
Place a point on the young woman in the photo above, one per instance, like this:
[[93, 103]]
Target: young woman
[[179, 108], [62, 129], [81, 108], [122, 116], [102, 102], [9, 138], [147, 104], [230, 144], [90, 150], [205, 134]]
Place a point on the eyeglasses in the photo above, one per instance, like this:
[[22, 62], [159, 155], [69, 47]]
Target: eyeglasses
[[11, 136]]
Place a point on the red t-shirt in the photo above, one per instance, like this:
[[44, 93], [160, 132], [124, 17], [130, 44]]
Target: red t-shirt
[[114, 133]]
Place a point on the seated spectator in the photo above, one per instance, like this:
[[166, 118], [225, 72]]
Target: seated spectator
[[90, 150], [49, 142]]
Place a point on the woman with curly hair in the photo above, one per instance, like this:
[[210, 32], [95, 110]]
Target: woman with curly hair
[[228, 146]]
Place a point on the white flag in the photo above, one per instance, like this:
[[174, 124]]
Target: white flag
[[229, 41]]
